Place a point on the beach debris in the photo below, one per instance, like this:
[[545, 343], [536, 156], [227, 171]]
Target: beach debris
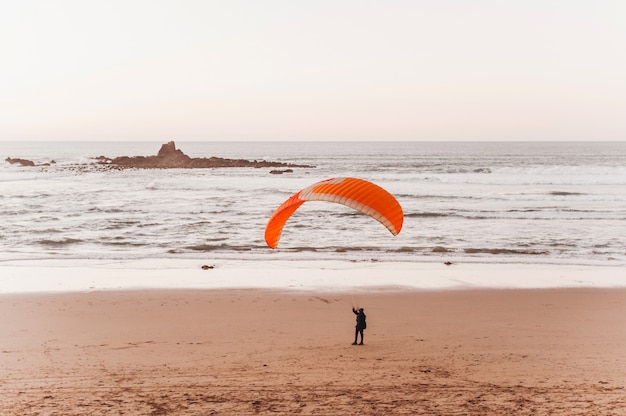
[[447, 263], [355, 193], [207, 267]]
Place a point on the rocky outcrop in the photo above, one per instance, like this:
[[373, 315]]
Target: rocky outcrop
[[22, 162], [169, 157]]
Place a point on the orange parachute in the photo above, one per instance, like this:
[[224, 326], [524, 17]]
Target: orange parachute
[[355, 193]]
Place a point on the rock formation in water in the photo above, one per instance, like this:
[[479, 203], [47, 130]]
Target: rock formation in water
[[169, 157], [17, 161]]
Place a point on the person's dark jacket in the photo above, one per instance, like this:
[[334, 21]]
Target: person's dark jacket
[[360, 318]]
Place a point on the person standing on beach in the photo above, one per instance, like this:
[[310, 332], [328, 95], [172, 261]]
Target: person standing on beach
[[360, 325]]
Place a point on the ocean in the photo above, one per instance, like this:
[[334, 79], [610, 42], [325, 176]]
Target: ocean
[[479, 202]]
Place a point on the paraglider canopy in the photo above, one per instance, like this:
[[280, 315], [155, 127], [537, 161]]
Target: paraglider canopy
[[356, 193]]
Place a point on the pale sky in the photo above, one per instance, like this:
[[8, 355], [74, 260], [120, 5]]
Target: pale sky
[[313, 70]]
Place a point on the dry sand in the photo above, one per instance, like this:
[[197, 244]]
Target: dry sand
[[200, 352]]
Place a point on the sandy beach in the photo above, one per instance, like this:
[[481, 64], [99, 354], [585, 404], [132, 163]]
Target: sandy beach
[[244, 351]]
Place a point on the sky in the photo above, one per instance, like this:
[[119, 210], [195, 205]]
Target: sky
[[293, 70]]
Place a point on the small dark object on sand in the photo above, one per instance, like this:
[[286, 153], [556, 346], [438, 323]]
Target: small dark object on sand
[[448, 263], [207, 267]]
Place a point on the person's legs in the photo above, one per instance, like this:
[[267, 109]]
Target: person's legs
[[356, 334], [361, 331]]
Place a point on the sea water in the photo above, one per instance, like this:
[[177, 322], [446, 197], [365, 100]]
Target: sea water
[[552, 203]]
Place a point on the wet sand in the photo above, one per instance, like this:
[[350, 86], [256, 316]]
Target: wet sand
[[184, 352]]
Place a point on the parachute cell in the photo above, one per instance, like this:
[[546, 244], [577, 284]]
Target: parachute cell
[[355, 193]]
